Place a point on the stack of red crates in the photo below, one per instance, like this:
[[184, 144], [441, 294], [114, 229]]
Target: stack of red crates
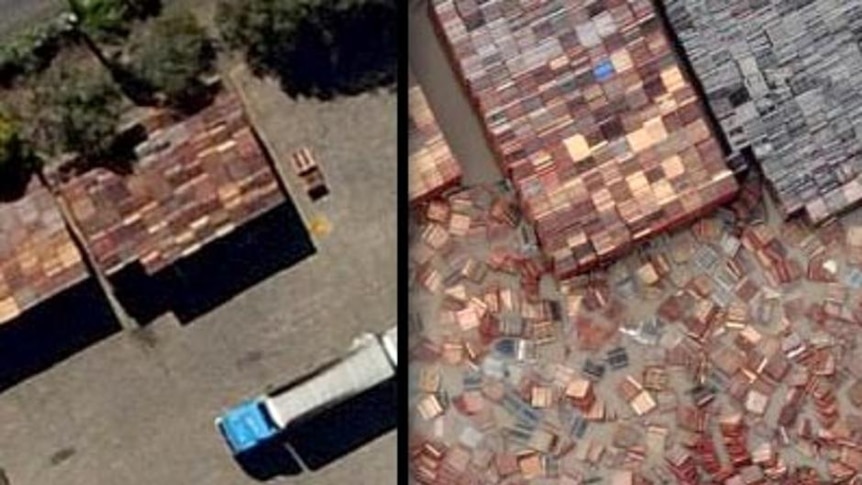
[[433, 168], [590, 116]]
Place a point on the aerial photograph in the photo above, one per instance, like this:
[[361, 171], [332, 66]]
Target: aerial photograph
[[635, 242], [198, 242]]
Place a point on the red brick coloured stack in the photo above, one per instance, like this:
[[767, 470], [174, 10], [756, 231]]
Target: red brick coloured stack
[[195, 181], [38, 258], [432, 166], [590, 116]]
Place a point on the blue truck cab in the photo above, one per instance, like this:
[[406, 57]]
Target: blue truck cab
[[246, 426]]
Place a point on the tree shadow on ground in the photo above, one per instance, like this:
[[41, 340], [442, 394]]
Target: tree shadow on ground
[[53, 331], [343, 52], [199, 283], [145, 9], [14, 183], [328, 436], [196, 97]]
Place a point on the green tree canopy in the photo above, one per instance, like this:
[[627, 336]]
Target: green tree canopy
[[78, 111], [172, 56], [101, 20], [316, 47], [10, 143]]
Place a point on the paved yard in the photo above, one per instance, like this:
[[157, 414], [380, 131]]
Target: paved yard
[[137, 408], [456, 118]]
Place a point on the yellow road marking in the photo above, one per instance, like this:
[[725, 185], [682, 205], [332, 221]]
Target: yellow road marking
[[320, 225]]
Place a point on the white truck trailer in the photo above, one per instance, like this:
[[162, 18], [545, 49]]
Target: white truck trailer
[[372, 359]]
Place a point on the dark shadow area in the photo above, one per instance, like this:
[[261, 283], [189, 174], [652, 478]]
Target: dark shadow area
[[145, 9], [336, 432], [254, 252], [14, 183], [268, 461], [132, 86], [217, 272], [337, 52], [144, 297], [743, 163], [53, 331], [318, 192], [120, 157], [197, 95]]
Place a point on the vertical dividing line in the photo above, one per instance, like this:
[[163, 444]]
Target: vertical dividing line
[[77, 236], [688, 71], [293, 454], [267, 146]]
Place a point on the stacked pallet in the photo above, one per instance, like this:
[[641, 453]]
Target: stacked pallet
[[591, 117], [38, 258], [195, 181], [432, 167], [783, 79]]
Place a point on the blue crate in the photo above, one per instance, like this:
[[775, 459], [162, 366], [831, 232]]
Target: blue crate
[[604, 71]]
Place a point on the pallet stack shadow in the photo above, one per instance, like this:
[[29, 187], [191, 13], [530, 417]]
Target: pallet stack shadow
[[432, 166], [591, 118], [783, 80]]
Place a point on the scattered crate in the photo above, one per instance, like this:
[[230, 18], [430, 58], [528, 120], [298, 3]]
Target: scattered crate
[[721, 350], [306, 168]]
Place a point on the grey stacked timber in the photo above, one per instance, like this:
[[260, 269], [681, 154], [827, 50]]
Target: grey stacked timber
[[784, 78], [594, 371]]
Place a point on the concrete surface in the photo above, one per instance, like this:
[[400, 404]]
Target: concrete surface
[[456, 118], [138, 408]]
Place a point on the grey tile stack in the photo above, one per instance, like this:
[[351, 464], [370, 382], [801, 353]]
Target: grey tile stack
[[618, 358], [593, 370], [784, 78]]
